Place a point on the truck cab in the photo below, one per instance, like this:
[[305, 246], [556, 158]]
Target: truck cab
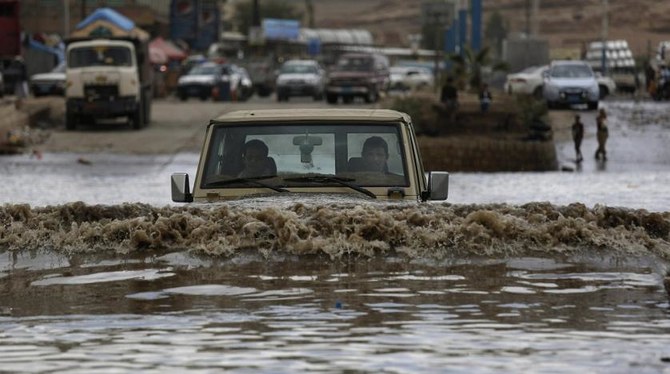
[[108, 72], [103, 81], [372, 153]]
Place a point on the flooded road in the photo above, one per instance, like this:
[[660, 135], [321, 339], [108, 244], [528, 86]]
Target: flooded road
[[517, 272]]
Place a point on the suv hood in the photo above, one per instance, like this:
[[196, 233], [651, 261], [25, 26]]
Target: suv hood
[[196, 79], [568, 82]]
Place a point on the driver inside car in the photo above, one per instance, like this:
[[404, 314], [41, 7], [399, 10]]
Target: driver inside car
[[256, 161]]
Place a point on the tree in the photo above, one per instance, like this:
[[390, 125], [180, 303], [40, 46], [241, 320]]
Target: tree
[[496, 32], [281, 9], [469, 67]]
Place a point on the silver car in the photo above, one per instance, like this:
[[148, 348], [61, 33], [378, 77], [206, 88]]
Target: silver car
[[568, 82], [300, 78]]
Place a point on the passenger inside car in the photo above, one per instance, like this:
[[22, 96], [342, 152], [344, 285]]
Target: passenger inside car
[[256, 161], [374, 156]]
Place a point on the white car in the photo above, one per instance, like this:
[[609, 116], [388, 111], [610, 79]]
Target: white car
[[569, 82], [526, 82], [51, 83], [410, 77], [300, 78], [530, 80]]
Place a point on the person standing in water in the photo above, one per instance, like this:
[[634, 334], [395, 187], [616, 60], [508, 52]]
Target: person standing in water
[[577, 136], [602, 134]]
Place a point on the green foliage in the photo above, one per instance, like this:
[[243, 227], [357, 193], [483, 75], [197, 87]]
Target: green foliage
[[281, 9], [531, 109]]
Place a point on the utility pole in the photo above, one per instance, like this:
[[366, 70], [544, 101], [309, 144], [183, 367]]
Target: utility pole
[[66, 18], [605, 26], [536, 18]]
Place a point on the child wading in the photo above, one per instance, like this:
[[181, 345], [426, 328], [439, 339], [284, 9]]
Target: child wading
[[577, 136], [602, 135]]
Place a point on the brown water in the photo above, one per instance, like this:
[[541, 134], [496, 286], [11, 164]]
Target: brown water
[[272, 285]]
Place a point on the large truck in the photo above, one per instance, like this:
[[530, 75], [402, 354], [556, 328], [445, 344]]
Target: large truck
[[108, 72], [10, 44]]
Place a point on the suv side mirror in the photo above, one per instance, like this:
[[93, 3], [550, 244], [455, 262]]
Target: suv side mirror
[[181, 192], [438, 185]]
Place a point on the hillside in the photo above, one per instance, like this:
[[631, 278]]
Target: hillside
[[565, 23]]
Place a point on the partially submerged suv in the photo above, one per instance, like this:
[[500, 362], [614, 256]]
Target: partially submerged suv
[[366, 152], [363, 75]]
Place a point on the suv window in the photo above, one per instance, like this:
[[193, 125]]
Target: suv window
[[571, 71], [295, 150], [354, 63]]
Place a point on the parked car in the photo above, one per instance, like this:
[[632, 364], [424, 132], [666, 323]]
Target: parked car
[[569, 82], [363, 75], [530, 80], [214, 80], [410, 78], [300, 78], [52, 83]]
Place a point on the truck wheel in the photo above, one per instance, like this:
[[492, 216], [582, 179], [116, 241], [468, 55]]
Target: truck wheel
[[593, 105], [332, 99], [70, 121], [137, 120], [263, 91], [603, 91], [371, 97]]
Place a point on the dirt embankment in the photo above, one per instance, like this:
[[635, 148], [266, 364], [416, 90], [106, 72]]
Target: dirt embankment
[[567, 24]]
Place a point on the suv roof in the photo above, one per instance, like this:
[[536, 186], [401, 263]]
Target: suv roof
[[311, 115]]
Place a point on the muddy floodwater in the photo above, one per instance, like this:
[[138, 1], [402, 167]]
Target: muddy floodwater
[[517, 272]]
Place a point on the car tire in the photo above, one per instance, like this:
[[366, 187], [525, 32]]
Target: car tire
[[332, 99], [593, 105], [538, 92], [183, 97], [70, 121], [372, 96], [347, 99], [137, 118], [603, 91]]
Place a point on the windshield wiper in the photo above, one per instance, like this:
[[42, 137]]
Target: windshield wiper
[[250, 180], [332, 179]]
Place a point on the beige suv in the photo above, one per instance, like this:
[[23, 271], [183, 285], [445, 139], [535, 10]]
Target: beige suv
[[366, 152]]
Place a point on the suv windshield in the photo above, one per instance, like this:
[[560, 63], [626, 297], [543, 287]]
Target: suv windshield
[[298, 69], [354, 64], [100, 56], [289, 155], [571, 71]]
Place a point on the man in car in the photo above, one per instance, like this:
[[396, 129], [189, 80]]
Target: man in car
[[256, 161]]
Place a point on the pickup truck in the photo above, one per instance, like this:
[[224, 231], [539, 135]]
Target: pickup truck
[[371, 153]]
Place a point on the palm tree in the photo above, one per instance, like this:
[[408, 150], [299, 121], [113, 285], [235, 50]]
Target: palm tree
[[468, 68]]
